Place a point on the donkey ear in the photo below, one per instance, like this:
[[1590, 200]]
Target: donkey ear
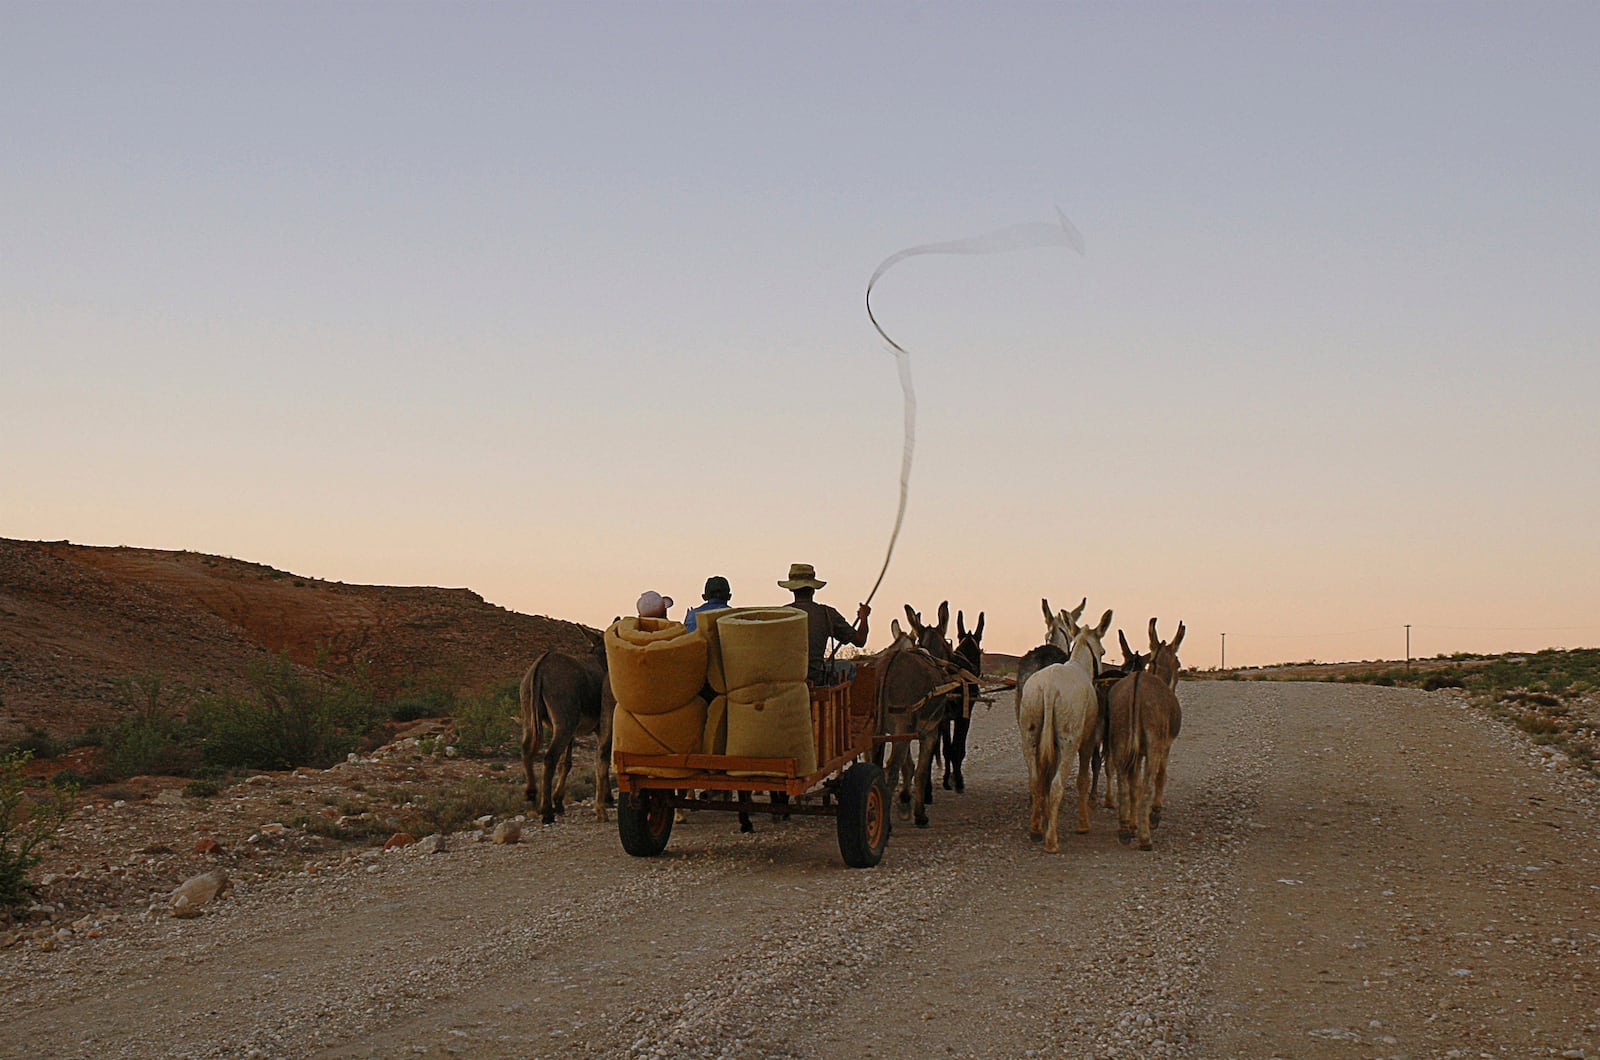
[[894, 629], [977, 634], [961, 625], [1049, 615], [1067, 619], [1105, 624], [914, 619], [944, 616], [1155, 641], [1077, 612], [1178, 639], [1122, 639]]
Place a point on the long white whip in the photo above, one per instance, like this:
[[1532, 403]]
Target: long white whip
[[1059, 233]]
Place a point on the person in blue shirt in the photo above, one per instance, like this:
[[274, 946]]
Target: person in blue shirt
[[716, 597]]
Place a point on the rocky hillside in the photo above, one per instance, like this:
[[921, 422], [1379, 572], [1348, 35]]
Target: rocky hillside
[[75, 620]]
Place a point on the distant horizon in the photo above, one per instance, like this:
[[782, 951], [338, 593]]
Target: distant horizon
[[1137, 637]]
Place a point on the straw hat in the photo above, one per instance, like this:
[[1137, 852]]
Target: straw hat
[[802, 576]]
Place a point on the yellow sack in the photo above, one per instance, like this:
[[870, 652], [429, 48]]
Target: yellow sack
[[709, 625], [656, 665], [772, 721], [764, 645], [716, 738], [672, 732]]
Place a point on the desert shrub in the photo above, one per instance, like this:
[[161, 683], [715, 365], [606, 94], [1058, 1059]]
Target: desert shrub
[[286, 720], [202, 789], [1434, 682], [25, 825], [38, 743], [486, 724], [153, 736], [69, 780], [450, 811], [431, 699]]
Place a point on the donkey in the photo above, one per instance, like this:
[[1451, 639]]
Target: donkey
[[1057, 716], [571, 693], [1132, 662], [953, 731], [912, 698], [1145, 719]]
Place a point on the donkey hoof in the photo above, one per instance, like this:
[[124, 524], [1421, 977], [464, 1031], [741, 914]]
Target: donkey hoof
[[1034, 837], [905, 798], [547, 817], [922, 820], [961, 786], [947, 784], [560, 806], [1124, 836], [745, 825], [1155, 817], [1145, 844]]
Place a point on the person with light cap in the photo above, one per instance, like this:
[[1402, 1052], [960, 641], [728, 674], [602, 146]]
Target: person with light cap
[[823, 624], [716, 598], [653, 605]]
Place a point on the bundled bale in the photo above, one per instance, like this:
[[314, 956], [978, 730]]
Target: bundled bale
[[672, 732], [709, 625], [772, 721], [715, 741], [655, 664], [760, 646]]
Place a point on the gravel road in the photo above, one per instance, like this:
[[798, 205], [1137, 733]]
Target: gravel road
[[1343, 871]]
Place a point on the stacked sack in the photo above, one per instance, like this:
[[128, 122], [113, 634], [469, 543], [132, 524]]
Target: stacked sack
[[657, 671], [757, 668]]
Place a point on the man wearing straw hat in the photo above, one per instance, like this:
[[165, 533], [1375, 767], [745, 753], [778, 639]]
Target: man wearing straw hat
[[823, 623]]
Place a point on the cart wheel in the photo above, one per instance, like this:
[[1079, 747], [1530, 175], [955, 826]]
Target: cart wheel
[[644, 822], [863, 815]]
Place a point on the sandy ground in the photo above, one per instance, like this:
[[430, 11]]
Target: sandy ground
[[1343, 871]]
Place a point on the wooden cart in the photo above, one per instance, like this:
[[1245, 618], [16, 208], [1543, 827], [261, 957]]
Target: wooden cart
[[848, 783]]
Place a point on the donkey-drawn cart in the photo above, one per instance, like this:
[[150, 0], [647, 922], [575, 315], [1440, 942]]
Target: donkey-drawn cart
[[848, 783]]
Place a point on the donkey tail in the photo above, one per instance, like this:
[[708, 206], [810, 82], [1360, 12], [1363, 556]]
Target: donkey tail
[[1047, 735], [531, 700]]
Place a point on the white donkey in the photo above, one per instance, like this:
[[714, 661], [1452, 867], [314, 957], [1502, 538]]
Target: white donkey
[[1058, 716]]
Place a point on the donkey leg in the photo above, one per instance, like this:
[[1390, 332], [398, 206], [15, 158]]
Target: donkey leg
[[1052, 834], [1160, 791], [602, 780], [530, 751], [547, 796], [947, 752], [561, 778], [1127, 805], [899, 760], [958, 751], [1142, 796], [924, 780], [1086, 774]]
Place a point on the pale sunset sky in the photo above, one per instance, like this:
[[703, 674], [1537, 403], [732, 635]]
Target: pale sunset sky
[[563, 301]]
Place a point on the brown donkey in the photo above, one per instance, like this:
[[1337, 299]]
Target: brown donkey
[[1145, 719], [571, 694]]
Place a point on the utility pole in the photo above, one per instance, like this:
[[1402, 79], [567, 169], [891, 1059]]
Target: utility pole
[[1224, 665], [1408, 646]]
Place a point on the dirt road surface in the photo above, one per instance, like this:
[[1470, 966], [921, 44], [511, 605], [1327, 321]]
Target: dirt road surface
[[1343, 871]]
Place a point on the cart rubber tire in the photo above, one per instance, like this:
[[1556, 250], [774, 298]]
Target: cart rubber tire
[[863, 815], [644, 822]]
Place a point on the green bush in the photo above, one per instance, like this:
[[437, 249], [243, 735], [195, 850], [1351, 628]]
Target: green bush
[[286, 720], [25, 825], [486, 724], [38, 743], [153, 737], [417, 703], [202, 789]]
